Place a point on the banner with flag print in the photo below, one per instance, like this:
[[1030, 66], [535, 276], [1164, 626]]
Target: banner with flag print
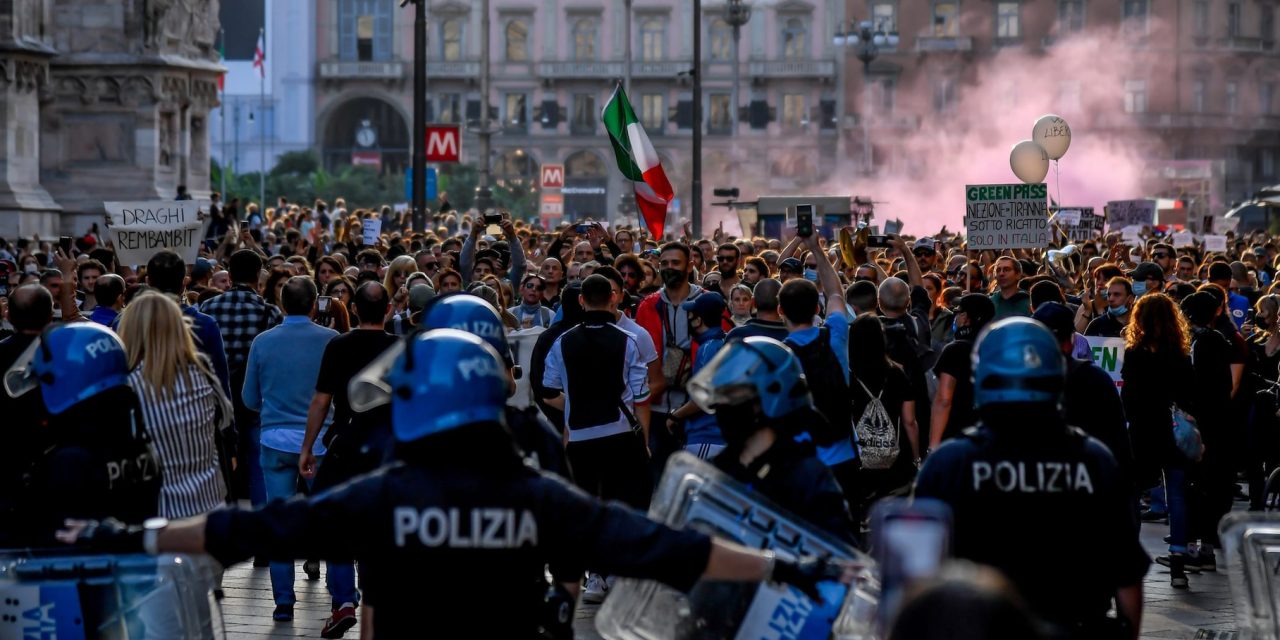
[[638, 161], [260, 55]]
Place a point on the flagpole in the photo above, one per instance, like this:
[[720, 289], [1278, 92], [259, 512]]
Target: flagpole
[[222, 115], [262, 128]]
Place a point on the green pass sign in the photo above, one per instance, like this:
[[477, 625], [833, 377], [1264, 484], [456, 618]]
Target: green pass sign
[[1108, 354], [1006, 216]]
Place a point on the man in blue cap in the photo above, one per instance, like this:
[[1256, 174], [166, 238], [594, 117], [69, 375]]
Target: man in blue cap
[[702, 436], [1047, 484], [462, 506]]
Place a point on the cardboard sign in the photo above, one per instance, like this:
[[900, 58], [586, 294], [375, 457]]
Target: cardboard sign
[[1088, 226], [1006, 216], [1124, 213], [139, 230], [522, 342], [1215, 243], [1182, 239], [371, 230], [1067, 217], [1108, 354], [1224, 224], [1132, 235]]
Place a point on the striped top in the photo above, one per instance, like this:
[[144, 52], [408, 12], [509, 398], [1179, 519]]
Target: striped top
[[182, 429]]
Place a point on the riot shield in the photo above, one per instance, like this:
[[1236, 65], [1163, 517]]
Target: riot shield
[[694, 494], [1251, 546], [101, 596]]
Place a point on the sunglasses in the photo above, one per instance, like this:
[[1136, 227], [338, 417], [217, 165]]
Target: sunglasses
[[725, 258], [534, 285]]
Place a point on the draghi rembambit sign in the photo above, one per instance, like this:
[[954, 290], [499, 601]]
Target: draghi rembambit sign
[[138, 230]]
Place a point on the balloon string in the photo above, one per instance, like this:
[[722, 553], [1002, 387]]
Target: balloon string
[[1057, 183]]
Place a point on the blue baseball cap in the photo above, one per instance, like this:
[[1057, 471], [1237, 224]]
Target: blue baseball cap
[[709, 303]]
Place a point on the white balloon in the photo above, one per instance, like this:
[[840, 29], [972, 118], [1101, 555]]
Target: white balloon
[[1029, 162], [1053, 133]]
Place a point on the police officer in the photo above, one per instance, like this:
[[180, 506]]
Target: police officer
[[1023, 481], [466, 312], [460, 508], [99, 461], [757, 392]]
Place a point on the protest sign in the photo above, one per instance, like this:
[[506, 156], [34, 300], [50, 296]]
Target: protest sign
[[1182, 239], [1124, 213], [139, 230], [1006, 216], [1067, 217], [1215, 243], [522, 342], [1132, 234], [371, 230], [1088, 225], [1224, 224], [1108, 354]]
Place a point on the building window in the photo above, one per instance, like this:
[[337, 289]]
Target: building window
[[946, 19], [1200, 18], [514, 116], [1135, 96], [517, 35], [1233, 19], [794, 112], [1266, 96], [1267, 23], [720, 120], [653, 38], [364, 30], [721, 37], [888, 95], [585, 32], [653, 113], [1135, 17], [884, 15], [451, 39], [450, 111], [584, 114], [1007, 20], [1267, 163], [1197, 96], [795, 41], [1233, 96], [944, 95], [1070, 16], [1069, 95]]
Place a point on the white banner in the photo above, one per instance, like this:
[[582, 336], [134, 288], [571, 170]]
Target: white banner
[[1215, 243], [1006, 216], [522, 342], [139, 230], [371, 229]]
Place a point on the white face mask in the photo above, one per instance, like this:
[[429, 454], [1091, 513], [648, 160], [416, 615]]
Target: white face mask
[[30, 268]]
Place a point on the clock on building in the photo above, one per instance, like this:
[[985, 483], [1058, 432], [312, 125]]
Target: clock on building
[[366, 135]]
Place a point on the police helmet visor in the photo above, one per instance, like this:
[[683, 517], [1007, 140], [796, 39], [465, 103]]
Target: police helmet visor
[[730, 378], [21, 377], [369, 389]]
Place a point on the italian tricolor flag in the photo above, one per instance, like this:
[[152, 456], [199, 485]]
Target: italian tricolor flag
[[637, 161]]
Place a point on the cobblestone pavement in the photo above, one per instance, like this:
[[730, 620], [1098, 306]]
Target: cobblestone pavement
[[1204, 611]]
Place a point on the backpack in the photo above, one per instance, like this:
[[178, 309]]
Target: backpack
[[877, 433], [825, 377]]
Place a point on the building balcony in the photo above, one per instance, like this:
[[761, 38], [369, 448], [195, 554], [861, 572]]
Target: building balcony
[[1191, 121], [791, 69], [580, 70], [944, 43], [668, 69], [1246, 45], [453, 69], [363, 70]]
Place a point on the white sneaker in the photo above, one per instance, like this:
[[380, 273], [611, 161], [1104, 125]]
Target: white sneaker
[[596, 589]]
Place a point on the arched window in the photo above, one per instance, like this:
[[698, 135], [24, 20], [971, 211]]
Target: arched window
[[795, 40], [517, 34]]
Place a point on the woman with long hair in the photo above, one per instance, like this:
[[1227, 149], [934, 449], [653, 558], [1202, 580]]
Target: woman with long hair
[[393, 281], [183, 406], [275, 283], [939, 314], [1261, 389], [873, 376], [1157, 367]]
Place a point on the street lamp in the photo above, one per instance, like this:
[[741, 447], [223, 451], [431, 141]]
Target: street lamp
[[866, 44], [736, 15]]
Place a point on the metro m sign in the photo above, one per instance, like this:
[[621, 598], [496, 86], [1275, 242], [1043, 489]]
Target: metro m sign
[[552, 176], [444, 143]]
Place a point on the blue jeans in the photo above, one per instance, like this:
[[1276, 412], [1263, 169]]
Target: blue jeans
[[1175, 488], [280, 476], [253, 458]]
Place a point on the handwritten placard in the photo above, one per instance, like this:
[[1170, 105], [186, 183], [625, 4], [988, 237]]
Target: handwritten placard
[[1006, 216], [371, 230], [1124, 213], [139, 230], [1215, 243], [1067, 217], [1183, 239], [1088, 227], [1108, 354]]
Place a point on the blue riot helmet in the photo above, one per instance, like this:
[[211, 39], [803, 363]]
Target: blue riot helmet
[[444, 379], [756, 368], [70, 363], [1017, 360], [466, 312]]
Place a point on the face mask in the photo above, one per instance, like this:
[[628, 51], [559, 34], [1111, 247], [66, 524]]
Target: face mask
[[30, 268], [964, 333], [1119, 311], [811, 275], [672, 278], [1139, 288]]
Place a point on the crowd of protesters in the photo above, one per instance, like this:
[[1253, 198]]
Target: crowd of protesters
[[241, 360]]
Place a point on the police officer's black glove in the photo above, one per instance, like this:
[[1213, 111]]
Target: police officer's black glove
[[805, 574], [111, 536]]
